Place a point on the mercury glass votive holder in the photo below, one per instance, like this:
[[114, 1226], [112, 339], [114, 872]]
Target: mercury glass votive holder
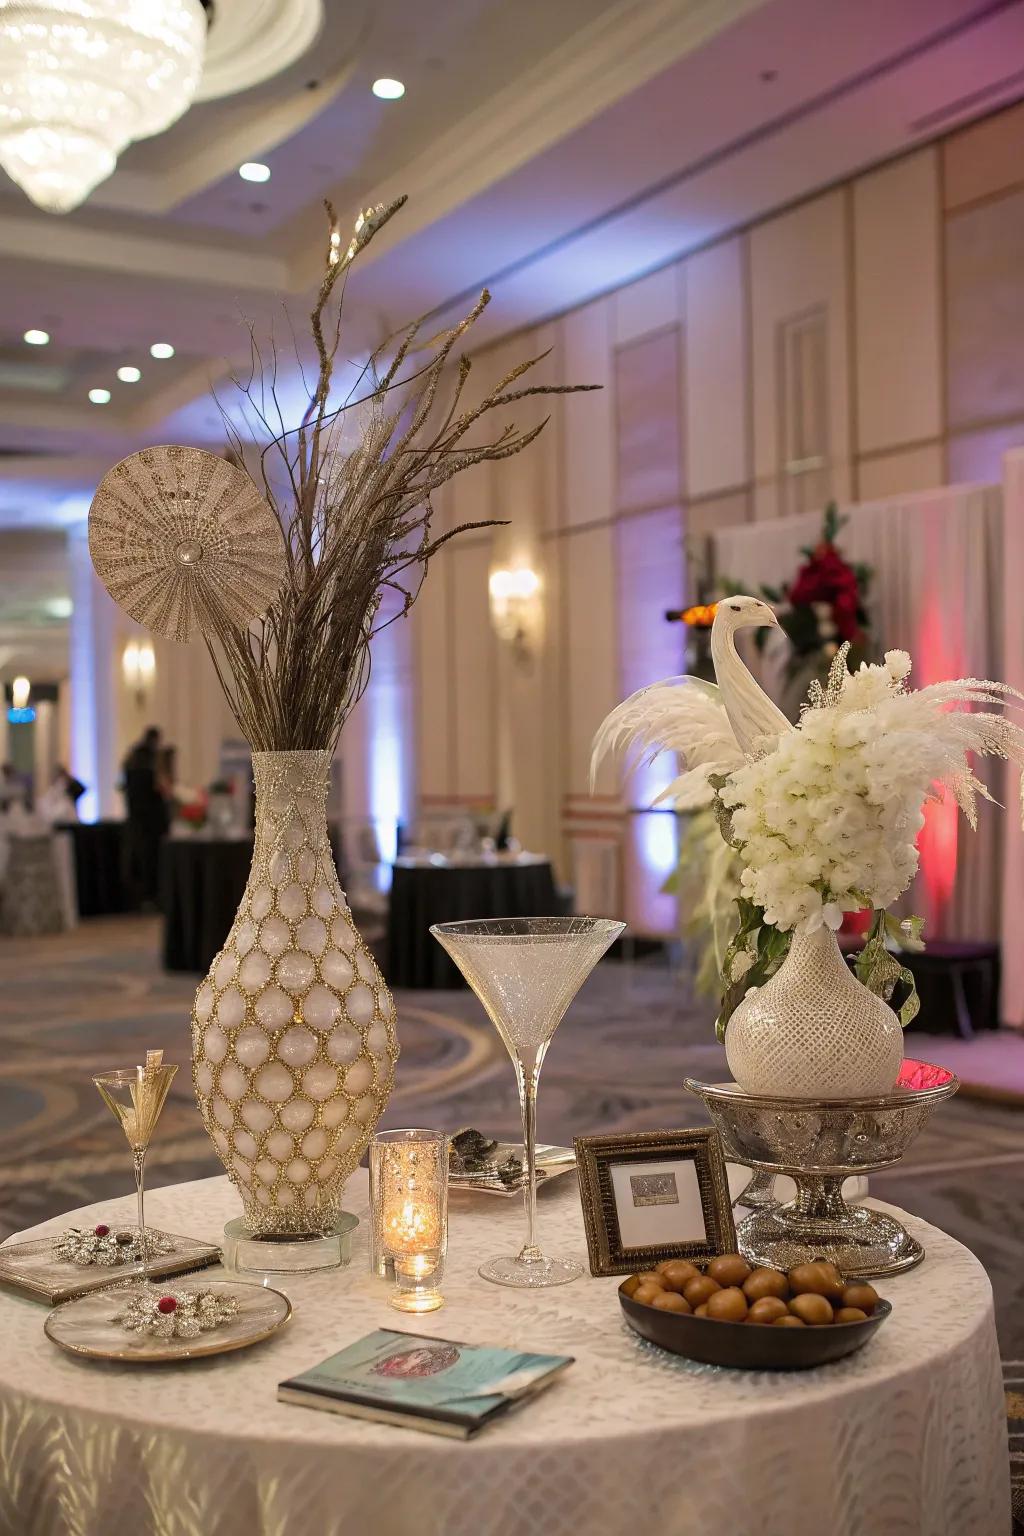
[[409, 1215]]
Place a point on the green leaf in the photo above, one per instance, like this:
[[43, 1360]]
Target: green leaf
[[880, 971]]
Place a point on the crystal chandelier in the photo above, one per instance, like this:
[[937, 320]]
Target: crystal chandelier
[[81, 79]]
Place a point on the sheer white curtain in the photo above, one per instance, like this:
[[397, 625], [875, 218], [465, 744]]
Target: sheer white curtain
[[937, 592], [1012, 1011]]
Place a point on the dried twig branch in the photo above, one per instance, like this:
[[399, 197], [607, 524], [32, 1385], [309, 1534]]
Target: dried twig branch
[[357, 522]]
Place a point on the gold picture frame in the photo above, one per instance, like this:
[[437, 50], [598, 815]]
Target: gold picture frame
[[637, 1211]]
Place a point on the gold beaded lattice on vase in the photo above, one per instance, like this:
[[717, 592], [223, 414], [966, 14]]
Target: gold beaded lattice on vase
[[183, 541], [293, 1030]]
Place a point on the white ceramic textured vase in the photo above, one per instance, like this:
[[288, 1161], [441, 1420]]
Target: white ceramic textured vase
[[293, 1030], [813, 1031]]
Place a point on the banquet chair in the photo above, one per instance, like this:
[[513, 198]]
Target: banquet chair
[[364, 862]]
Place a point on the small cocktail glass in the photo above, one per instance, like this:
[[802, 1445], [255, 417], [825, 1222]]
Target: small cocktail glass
[[135, 1097]]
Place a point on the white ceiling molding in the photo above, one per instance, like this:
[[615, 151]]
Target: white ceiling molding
[[255, 128], [616, 54], [28, 237], [252, 40]]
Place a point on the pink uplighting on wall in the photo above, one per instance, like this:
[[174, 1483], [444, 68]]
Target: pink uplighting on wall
[[938, 655]]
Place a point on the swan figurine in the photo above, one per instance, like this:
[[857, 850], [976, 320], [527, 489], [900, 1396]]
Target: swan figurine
[[714, 729]]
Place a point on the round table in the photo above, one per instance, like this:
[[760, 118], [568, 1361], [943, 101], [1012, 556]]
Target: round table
[[906, 1438], [202, 880], [99, 866], [423, 893]]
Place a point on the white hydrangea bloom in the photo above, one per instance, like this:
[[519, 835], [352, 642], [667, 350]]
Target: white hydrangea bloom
[[827, 823]]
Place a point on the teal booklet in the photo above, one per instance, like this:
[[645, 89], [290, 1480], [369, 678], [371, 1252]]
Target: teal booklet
[[423, 1383]]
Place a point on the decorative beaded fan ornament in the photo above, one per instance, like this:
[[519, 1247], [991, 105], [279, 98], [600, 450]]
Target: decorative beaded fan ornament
[[184, 542]]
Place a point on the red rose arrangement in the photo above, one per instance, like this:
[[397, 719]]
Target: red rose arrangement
[[824, 605]]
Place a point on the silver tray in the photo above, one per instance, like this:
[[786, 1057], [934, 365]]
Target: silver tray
[[31, 1269], [86, 1326], [552, 1162]]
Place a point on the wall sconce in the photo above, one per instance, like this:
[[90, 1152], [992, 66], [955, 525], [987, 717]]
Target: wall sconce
[[138, 664], [515, 605]]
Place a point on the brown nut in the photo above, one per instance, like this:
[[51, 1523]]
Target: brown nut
[[811, 1308], [765, 1282], [702, 1310], [728, 1269], [676, 1274], [728, 1305], [851, 1315], [767, 1310], [647, 1294], [669, 1301], [789, 1322], [698, 1290], [631, 1286], [833, 1278], [809, 1280], [861, 1295]]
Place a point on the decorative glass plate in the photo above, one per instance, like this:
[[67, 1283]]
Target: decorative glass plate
[[551, 1162], [87, 1327], [31, 1268]]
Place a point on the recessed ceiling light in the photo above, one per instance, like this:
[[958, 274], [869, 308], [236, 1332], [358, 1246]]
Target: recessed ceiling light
[[99, 396], [129, 375], [388, 90], [161, 349], [253, 171], [36, 338]]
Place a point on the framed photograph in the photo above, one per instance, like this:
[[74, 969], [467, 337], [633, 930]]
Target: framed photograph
[[653, 1195]]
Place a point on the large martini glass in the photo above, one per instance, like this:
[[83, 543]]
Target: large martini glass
[[135, 1097], [526, 971]]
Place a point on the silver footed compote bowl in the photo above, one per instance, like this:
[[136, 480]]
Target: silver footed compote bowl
[[526, 971], [819, 1143]]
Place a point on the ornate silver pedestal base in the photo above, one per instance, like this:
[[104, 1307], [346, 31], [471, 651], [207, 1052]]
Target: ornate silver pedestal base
[[819, 1143], [820, 1224], [243, 1253], [759, 1194]]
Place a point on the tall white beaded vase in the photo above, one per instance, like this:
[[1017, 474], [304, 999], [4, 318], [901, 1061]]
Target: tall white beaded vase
[[813, 1031], [293, 1030]]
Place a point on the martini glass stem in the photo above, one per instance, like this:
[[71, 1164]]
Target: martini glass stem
[[139, 1162], [528, 1077]]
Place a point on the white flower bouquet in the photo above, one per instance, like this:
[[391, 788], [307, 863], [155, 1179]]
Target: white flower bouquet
[[824, 816]]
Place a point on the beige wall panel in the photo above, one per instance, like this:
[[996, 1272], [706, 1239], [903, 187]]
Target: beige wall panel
[[647, 420], [766, 501], [186, 703], [646, 305], [473, 670], [546, 452], [913, 469], [591, 651], [985, 311], [797, 267], [985, 158], [588, 420], [977, 457], [715, 393], [897, 288], [433, 680], [703, 518], [650, 580]]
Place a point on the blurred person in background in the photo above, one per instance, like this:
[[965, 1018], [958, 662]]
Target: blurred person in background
[[148, 817], [59, 802]]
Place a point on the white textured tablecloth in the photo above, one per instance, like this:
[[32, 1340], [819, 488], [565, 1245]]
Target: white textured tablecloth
[[908, 1436]]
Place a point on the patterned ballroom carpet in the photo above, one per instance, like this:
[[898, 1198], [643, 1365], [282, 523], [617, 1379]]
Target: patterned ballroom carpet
[[97, 998]]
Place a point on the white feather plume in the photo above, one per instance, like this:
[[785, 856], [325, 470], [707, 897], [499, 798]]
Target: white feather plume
[[680, 714]]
